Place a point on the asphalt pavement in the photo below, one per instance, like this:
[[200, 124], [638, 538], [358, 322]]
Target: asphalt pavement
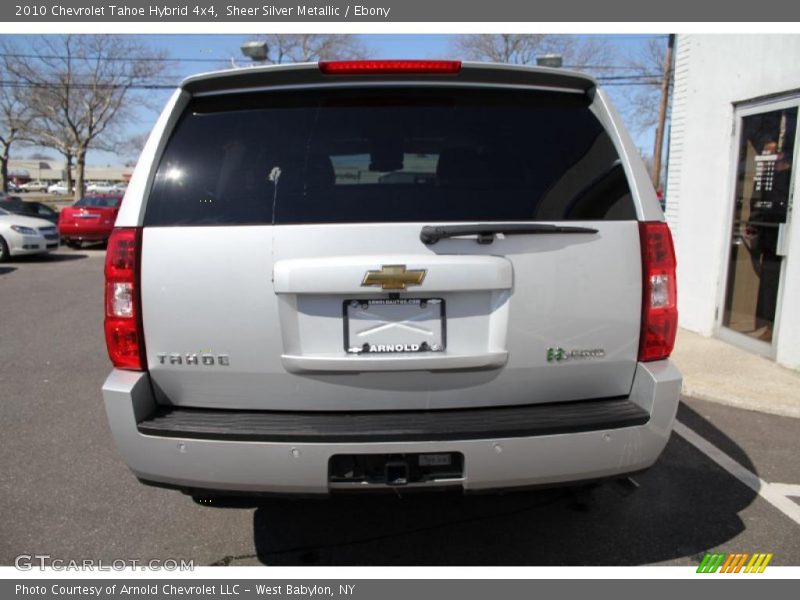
[[65, 492]]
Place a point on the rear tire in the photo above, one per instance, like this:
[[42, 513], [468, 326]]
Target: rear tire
[[4, 252], [73, 244]]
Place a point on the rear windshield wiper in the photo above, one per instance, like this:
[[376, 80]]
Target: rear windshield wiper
[[486, 231]]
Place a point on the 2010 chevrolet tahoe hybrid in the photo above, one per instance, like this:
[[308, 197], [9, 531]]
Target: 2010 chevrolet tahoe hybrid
[[373, 274]]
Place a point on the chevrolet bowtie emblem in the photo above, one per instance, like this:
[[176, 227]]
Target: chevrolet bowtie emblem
[[394, 277]]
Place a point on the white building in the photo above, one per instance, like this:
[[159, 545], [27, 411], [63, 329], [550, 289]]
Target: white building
[[733, 159]]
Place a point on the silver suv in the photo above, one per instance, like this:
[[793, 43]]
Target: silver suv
[[365, 275]]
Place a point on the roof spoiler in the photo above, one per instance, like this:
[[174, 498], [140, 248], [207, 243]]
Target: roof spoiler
[[303, 74]]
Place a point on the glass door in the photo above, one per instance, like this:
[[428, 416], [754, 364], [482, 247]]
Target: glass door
[[765, 159]]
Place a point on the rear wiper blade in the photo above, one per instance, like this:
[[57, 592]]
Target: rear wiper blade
[[486, 231]]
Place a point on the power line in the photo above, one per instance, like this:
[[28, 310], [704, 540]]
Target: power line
[[400, 38], [113, 58], [617, 67], [86, 86], [621, 77], [622, 83]]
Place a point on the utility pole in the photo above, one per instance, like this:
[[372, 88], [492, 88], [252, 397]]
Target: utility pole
[[662, 111]]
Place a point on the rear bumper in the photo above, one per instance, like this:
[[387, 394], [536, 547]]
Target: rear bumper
[[86, 236], [84, 232], [183, 452]]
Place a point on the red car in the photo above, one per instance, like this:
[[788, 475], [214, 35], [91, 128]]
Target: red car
[[90, 219]]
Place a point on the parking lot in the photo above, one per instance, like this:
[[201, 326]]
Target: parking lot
[[66, 493]]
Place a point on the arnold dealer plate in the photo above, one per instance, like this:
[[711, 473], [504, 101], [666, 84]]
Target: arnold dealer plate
[[394, 326]]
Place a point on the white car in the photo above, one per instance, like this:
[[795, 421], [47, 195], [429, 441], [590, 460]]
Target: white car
[[58, 188], [34, 186], [25, 235], [101, 187]]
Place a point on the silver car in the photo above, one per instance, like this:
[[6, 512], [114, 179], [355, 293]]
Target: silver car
[[22, 235], [385, 274]]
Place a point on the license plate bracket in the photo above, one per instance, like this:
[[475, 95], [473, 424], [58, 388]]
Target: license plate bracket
[[363, 470], [394, 325]]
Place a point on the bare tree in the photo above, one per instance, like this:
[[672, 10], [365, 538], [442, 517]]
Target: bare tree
[[131, 147], [307, 47], [522, 49], [55, 134], [647, 68], [80, 88], [15, 122], [39, 156], [503, 48]]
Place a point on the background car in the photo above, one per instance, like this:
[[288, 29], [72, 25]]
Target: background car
[[18, 206], [58, 188], [101, 187], [33, 186], [90, 219], [21, 235]]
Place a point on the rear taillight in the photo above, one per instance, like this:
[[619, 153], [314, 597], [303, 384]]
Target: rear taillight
[[659, 292], [123, 322], [389, 67]]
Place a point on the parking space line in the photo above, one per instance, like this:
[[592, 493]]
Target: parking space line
[[775, 494], [787, 489]]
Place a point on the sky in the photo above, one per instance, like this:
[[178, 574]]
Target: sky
[[197, 53]]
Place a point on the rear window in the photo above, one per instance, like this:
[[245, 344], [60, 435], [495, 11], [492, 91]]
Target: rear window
[[99, 202], [410, 155], [43, 209], [11, 203]]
